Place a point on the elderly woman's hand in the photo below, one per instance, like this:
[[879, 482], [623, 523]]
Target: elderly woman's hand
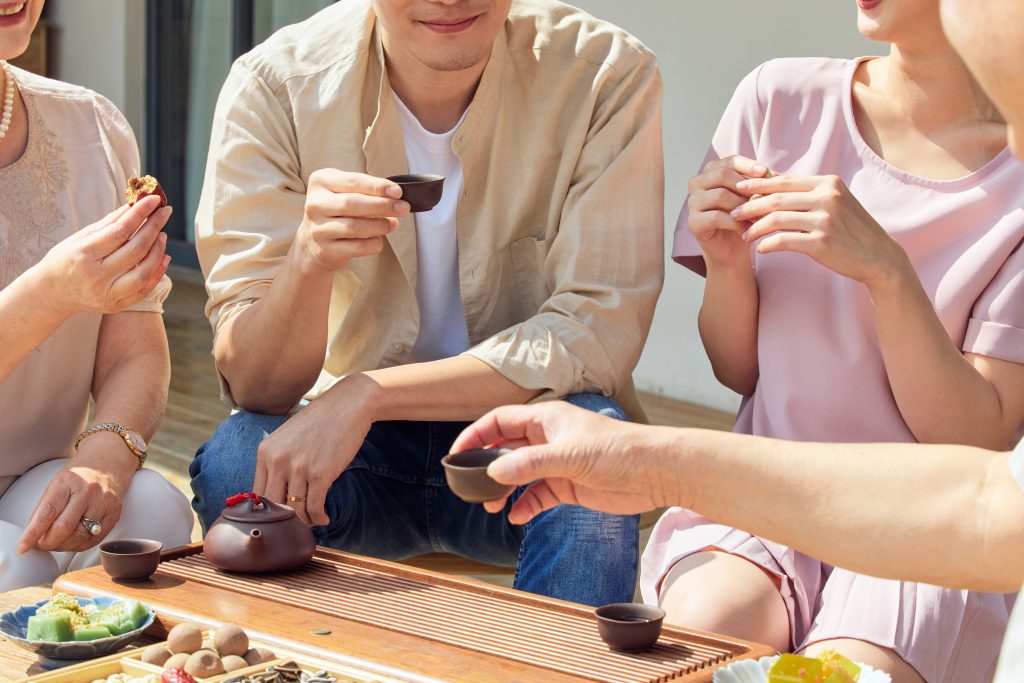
[[570, 455], [92, 484], [111, 264], [819, 216]]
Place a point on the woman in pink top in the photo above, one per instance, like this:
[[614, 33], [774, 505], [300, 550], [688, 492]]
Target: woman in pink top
[[879, 303]]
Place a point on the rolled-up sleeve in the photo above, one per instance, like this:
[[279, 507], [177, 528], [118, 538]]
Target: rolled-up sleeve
[[996, 327], [253, 195], [605, 266]]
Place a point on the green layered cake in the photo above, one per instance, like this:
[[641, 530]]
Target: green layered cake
[[63, 619]]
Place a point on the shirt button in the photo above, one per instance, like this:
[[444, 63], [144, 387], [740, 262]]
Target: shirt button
[[398, 347]]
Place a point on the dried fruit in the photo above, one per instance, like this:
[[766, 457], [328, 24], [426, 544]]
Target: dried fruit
[[139, 188], [176, 676]]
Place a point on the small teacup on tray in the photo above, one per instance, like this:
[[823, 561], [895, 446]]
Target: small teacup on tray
[[422, 190], [467, 475], [629, 626], [130, 559]]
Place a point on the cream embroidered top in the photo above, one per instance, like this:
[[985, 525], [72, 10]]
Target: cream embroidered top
[[80, 153]]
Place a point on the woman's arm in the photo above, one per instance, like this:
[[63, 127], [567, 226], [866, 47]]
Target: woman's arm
[[947, 515], [27, 318], [943, 396], [129, 388], [107, 266], [728, 314]]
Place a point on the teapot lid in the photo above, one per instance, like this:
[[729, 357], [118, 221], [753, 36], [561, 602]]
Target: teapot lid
[[253, 509]]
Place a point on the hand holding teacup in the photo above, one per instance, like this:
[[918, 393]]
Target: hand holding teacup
[[346, 216]]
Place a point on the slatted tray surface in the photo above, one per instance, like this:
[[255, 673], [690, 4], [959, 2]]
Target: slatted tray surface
[[467, 616]]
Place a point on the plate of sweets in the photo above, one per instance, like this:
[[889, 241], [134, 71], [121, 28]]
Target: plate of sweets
[[827, 667], [66, 627]]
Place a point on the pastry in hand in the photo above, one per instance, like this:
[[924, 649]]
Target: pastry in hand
[[140, 188]]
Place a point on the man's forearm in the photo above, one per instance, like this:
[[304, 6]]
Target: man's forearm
[[948, 515], [455, 389], [271, 353]]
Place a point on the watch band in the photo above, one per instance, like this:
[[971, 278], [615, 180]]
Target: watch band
[[129, 436]]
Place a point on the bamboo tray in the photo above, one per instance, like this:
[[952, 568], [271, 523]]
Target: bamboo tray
[[411, 620], [129, 662]]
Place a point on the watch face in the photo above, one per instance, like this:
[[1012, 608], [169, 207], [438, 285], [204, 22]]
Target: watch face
[[137, 441]]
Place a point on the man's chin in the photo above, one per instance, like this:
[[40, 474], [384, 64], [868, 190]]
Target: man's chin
[[452, 63]]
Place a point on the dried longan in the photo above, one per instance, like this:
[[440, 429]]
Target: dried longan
[[258, 655], [156, 654], [234, 663], [177, 661], [229, 639], [204, 663], [185, 638]]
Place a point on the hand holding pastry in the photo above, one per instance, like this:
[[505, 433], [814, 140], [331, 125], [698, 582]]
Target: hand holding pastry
[[110, 265]]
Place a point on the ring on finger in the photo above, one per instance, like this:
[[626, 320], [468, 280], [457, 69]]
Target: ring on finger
[[91, 526], [296, 499]]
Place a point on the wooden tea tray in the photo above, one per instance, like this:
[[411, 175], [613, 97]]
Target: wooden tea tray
[[412, 620]]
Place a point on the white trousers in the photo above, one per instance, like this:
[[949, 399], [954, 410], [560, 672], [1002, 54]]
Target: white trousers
[[153, 509]]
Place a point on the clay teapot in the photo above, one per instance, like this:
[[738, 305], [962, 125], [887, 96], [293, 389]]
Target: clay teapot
[[255, 535]]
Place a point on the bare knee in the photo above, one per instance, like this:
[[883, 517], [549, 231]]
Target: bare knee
[[868, 653], [721, 593]]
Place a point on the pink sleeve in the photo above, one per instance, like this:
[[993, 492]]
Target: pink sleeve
[[996, 328], [738, 133]]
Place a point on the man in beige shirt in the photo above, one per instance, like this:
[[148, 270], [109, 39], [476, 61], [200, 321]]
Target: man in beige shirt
[[534, 278]]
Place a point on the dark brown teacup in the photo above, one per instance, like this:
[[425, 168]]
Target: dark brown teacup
[[130, 559], [421, 190], [629, 626], [467, 475]]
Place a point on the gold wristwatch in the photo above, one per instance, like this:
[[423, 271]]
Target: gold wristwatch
[[136, 444]]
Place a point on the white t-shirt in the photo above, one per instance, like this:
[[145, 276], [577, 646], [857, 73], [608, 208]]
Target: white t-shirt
[[1011, 661], [443, 332]]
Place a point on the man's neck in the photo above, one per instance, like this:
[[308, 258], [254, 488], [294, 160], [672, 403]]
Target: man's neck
[[437, 99]]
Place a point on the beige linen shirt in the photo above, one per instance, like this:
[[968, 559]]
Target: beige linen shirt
[[559, 225], [80, 153]]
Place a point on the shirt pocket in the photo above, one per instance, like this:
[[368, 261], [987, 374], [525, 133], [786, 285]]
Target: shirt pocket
[[528, 255]]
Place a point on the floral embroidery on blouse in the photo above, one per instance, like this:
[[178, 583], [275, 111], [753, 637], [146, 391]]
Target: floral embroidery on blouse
[[29, 206]]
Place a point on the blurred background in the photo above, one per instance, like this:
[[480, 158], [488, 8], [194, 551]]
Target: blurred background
[[162, 63]]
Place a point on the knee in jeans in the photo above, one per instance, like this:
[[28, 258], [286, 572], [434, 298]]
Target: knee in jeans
[[597, 403]]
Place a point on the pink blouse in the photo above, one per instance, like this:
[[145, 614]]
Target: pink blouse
[[822, 376]]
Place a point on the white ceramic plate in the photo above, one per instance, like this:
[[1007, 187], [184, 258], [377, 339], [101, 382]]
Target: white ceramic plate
[[749, 671]]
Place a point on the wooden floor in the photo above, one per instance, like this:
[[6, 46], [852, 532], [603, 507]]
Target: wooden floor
[[194, 407]]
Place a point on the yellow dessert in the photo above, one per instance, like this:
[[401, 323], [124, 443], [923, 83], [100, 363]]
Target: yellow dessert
[[828, 667]]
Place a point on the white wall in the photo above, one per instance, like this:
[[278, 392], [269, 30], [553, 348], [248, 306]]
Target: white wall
[[101, 44], [705, 49]]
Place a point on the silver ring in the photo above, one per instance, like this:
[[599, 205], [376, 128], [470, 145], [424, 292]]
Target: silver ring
[[92, 526]]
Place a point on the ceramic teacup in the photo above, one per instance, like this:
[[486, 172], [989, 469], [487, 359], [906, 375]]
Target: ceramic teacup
[[467, 475]]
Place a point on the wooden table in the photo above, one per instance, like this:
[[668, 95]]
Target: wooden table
[[345, 608]]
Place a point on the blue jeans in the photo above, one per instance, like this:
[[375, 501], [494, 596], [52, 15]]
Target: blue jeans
[[393, 503]]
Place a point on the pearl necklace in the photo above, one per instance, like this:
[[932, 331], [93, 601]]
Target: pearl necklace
[[5, 118]]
